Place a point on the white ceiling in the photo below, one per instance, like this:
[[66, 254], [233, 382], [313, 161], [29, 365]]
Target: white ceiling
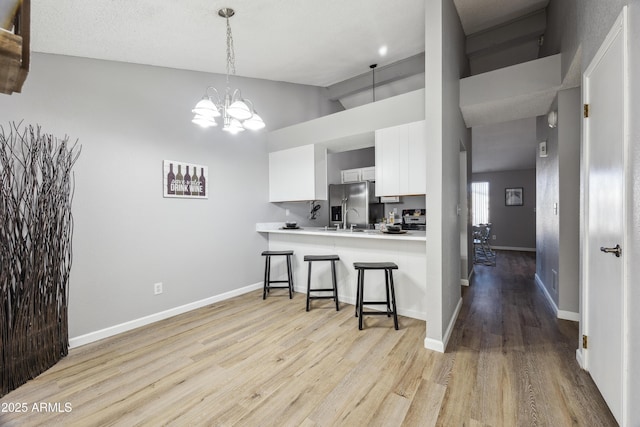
[[479, 15], [300, 41]]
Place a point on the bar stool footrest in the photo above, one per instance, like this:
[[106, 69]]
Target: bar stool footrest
[[380, 313]]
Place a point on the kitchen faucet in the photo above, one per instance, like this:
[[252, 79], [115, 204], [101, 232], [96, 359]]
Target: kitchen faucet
[[344, 217]]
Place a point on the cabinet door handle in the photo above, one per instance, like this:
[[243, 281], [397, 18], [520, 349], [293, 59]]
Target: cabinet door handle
[[617, 251]]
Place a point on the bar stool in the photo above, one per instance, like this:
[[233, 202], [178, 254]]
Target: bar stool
[[333, 259], [388, 268], [267, 273]]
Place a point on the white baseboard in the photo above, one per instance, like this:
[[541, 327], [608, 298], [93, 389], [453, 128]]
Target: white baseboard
[[441, 346], [568, 315], [546, 293], [560, 314], [513, 248], [435, 345], [579, 358], [136, 323], [466, 282]]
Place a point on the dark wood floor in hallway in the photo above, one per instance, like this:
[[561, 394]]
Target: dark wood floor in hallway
[[513, 362], [249, 362]]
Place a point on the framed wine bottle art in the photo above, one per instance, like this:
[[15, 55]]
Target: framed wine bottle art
[[185, 180]]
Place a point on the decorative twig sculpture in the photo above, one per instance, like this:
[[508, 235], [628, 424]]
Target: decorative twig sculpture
[[36, 225]]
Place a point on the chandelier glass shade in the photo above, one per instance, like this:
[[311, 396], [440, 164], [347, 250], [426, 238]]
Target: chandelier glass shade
[[237, 113]]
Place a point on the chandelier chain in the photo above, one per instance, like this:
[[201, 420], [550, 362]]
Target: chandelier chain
[[237, 113], [231, 56]]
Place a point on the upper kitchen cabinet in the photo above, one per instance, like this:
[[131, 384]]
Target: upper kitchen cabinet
[[298, 174], [359, 174], [401, 162]]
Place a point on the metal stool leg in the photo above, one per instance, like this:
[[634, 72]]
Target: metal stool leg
[[361, 299], [386, 287], [393, 300], [290, 276], [267, 265], [308, 284], [335, 285], [358, 291], [264, 286]]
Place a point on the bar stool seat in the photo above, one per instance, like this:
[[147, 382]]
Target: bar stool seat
[[390, 302], [334, 290], [267, 273]]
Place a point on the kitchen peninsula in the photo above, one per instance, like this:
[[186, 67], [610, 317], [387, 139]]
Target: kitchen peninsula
[[408, 250]]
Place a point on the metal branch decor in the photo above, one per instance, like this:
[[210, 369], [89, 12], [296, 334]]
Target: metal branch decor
[[36, 227]]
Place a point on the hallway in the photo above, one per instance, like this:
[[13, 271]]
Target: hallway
[[516, 358]]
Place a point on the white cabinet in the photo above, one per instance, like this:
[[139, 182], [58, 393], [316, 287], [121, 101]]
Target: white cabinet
[[369, 174], [401, 160], [298, 174], [351, 175], [359, 174]]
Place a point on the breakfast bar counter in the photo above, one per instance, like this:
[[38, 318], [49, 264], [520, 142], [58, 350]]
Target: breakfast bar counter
[[277, 228], [407, 250]]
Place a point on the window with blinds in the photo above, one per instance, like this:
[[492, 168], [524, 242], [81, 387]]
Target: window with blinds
[[480, 202]]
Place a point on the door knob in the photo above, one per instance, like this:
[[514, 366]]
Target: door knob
[[617, 251]]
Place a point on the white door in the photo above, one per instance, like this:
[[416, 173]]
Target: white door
[[604, 91]]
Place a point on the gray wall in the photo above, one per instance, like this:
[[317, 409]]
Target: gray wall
[[562, 32], [569, 116], [129, 118], [455, 66], [513, 226], [548, 223], [557, 261], [445, 65], [468, 263]]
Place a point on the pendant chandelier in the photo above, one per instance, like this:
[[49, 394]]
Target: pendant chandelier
[[237, 113]]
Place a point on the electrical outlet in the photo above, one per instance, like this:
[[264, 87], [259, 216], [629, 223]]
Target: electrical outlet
[[157, 288], [286, 212], [493, 237]]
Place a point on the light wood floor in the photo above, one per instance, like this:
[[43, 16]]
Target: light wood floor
[[250, 362]]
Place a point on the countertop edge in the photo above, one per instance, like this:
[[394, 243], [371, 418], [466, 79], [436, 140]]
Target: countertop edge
[[411, 235]]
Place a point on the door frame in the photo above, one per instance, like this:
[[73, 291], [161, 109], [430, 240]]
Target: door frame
[[582, 355]]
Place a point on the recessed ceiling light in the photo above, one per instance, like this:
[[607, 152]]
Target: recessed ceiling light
[[383, 50]]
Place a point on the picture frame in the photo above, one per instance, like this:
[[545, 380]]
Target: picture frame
[[514, 196], [178, 182]]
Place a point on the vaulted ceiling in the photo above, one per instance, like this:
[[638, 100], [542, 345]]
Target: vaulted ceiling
[[322, 43], [301, 41]]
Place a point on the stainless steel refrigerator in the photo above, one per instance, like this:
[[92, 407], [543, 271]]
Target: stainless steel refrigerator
[[354, 203]]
